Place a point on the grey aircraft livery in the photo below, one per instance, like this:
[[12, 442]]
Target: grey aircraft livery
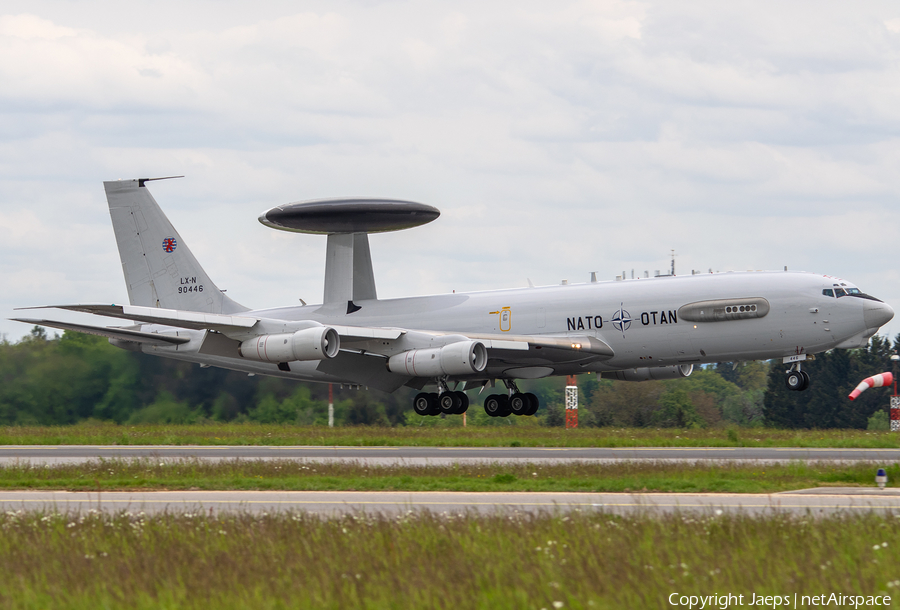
[[631, 330]]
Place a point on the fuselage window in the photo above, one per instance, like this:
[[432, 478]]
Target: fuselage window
[[828, 292], [839, 292]]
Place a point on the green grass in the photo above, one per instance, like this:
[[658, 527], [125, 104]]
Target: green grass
[[425, 560], [522, 435], [149, 474]]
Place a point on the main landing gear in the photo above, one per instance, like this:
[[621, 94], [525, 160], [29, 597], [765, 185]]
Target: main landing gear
[[444, 401], [513, 403], [797, 380], [456, 403]]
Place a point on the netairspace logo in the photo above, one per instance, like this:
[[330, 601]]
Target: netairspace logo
[[729, 600]]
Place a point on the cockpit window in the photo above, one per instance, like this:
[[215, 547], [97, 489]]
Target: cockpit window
[[848, 291]]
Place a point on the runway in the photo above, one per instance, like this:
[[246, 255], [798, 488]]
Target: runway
[[819, 502], [74, 454]]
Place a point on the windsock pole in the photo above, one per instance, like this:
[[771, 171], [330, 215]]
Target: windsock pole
[[571, 402], [895, 400]]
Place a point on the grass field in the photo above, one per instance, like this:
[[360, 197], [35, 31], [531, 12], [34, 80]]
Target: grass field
[[148, 474], [423, 560], [93, 433]]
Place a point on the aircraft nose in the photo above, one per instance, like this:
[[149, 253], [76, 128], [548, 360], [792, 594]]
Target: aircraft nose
[[877, 314]]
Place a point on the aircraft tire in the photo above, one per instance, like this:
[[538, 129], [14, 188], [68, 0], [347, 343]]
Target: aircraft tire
[[463, 402], [534, 403], [435, 404], [449, 403], [503, 402], [794, 381], [422, 404], [805, 380], [493, 405], [519, 404]]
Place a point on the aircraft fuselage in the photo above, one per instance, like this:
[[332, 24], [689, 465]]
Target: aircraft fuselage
[[642, 320]]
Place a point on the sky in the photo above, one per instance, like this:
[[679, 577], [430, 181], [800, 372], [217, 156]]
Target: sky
[[557, 139]]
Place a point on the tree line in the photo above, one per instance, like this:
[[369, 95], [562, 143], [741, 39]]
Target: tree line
[[55, 380]]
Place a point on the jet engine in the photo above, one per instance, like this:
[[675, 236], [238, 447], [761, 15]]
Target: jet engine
[[646, 373], [317, 343], [460, 358]]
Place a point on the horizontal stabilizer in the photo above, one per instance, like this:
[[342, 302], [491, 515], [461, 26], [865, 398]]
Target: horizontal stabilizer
[[170, 317], [110, 332]]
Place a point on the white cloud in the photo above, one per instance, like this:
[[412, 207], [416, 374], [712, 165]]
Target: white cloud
[[556, 139]]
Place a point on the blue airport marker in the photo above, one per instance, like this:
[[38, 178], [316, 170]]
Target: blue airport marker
[[881, 478]]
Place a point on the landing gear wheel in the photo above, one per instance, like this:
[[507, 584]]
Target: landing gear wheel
[[519, 404], [495, 405], [423, 404], [492, 405], [463, 402], [805, 380], [794, 381], [450, 403], [533, 402], [506, 411]]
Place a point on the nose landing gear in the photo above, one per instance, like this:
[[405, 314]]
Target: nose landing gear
[[797, 380]]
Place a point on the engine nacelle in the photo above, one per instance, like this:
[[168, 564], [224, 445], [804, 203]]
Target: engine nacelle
[[645, 374], [460, 358], [318, 343]]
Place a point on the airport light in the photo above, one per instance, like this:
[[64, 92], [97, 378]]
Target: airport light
[[881, 478]]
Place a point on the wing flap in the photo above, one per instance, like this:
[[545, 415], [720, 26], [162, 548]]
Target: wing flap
[[110, 332], [364, 332], [583, 344]]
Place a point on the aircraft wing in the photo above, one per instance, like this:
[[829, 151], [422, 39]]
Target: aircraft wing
[[169, 317], [505, 352], [124, 334]]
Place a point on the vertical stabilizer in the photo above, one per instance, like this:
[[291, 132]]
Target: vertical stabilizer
[[160, 270]]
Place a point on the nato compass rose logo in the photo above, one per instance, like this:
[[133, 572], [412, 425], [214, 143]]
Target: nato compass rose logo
[[621, 320], [169, 244]]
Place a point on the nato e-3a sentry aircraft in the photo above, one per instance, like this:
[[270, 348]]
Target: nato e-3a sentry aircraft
[[631, 330]]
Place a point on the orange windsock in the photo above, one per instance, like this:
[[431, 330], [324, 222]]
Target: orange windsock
[[875, 381]]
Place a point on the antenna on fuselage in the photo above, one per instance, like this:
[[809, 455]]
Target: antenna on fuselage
[[347, 223]]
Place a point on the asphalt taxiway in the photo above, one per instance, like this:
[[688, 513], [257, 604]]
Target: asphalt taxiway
[[818, 502], [74, 454]]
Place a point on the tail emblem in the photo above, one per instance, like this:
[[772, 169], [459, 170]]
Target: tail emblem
[[169, 244]]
